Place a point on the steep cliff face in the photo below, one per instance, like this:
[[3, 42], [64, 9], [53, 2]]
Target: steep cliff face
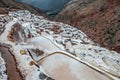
[[99, 19], [8, 5], [33, 48]]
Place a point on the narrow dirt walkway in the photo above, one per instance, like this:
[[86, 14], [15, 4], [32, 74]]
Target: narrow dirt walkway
[[12, 71]]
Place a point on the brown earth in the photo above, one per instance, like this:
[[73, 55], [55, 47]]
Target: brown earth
[[99, 19], [12, 71]]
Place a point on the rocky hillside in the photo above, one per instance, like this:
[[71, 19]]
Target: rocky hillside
[[99, 19], [33, 48], [8, 5]]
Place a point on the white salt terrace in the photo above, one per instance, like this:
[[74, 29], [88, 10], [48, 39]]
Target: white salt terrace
[[46, 50]]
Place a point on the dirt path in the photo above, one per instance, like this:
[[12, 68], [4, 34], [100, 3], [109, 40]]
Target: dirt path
[[12, 72]]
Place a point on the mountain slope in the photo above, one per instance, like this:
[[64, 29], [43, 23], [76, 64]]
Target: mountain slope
[[99, 19], [12, 4]]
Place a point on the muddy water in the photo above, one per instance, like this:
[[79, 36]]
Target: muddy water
[[12, 72]]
